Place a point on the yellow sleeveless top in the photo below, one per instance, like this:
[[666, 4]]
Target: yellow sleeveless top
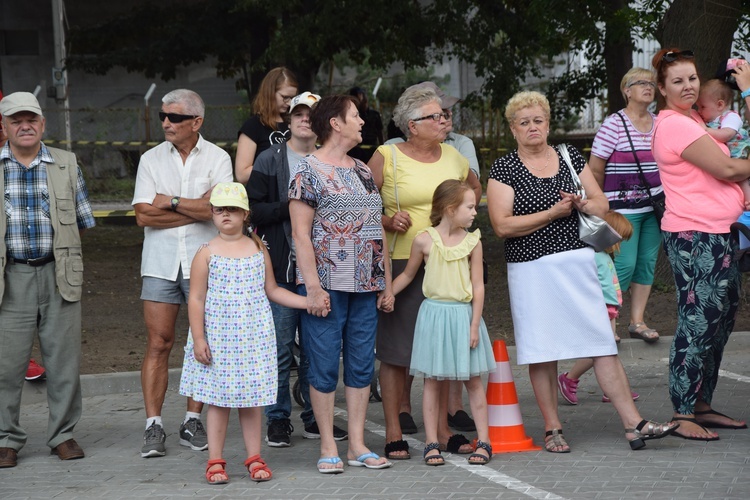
[[416, 184], [446, 274]]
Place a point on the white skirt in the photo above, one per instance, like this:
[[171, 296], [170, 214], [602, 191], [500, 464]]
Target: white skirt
[[558, 308]]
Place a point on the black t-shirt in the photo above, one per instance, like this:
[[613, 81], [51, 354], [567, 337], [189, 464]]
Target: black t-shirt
[[262, 135], [372, 130], [534, 194]]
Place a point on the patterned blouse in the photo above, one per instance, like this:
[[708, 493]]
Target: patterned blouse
[[347, 234]]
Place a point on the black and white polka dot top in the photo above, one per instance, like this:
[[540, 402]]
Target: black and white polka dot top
[[534, 194]]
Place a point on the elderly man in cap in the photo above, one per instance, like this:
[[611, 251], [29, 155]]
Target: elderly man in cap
[[172, 189], [268, 192], [46, 209], [34, 372]]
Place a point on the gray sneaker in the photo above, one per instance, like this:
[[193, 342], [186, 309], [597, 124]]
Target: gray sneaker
[[193, 435], [153, 442]]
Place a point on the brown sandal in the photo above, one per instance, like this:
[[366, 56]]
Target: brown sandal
[[210, 474], [554, 438], [255, 459]]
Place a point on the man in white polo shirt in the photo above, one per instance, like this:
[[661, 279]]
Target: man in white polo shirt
[[172, 190]]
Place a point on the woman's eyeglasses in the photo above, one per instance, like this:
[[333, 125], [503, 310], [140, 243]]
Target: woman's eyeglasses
[[175, 117], [642, 83], [673, 55], [220, 210], [286, 98], [434, 117]]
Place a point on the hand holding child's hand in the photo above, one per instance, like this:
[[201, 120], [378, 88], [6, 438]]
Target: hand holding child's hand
[[201, 352], [386, 301], [318, 302]]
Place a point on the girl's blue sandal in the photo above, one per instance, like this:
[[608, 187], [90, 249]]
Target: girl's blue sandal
[[478, 458], [433, 459]]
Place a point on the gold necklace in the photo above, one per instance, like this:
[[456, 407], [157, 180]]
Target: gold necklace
[[546, 163]]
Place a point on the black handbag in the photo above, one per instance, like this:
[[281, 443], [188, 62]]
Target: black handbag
[[658, 203]]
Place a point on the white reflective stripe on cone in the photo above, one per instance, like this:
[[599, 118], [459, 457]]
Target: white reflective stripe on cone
[[502, 373], [504, 415]]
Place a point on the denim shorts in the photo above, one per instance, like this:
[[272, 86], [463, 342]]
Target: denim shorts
[[167, 291], [349, 329]]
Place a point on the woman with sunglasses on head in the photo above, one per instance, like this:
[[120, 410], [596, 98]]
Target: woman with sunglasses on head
[[267, 126], [624, 168], [703, 200], [407, 175]]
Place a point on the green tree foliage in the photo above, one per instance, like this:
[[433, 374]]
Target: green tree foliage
[[511, 43], [246, 37]]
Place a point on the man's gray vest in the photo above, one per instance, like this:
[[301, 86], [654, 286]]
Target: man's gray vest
[[62, 179]]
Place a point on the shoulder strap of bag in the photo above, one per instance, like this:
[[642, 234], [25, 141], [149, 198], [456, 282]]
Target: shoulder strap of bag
[[392, 244], [563, 148], [637, 161], [395, 179]]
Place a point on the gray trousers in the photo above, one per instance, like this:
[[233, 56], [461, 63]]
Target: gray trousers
[[32, 304]]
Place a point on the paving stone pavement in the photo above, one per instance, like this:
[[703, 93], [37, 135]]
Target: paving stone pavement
[[600, 466]]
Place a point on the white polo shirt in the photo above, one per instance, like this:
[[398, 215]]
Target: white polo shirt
[[161, 171]]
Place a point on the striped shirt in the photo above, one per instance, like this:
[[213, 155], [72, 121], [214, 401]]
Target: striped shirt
[[622, 183], [29, 233]]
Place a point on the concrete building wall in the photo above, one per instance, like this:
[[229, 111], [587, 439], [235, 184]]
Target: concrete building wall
[[116, 89]]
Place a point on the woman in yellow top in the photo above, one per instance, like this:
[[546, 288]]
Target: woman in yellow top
[[407, 175]]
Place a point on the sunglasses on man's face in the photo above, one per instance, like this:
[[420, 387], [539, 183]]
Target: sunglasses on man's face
[[175, 117], [673, 55]]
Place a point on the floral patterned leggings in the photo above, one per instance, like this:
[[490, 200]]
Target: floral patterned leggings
[[708, 285]]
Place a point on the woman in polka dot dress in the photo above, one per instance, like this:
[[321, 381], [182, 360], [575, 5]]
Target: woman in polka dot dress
[[230, 357], [556, 301]]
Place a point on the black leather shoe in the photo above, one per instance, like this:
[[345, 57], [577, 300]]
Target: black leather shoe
[[461, 421]]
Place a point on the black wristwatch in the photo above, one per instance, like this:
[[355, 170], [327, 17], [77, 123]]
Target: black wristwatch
[[175, 202]]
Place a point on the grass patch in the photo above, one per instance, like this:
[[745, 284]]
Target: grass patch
[[110, 188]]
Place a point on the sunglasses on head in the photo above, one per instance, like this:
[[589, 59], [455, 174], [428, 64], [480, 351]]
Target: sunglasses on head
[[175, 117], [673, 55], [220, 210]]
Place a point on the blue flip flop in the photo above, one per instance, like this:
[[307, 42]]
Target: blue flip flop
[[360, 461], [330, 460]]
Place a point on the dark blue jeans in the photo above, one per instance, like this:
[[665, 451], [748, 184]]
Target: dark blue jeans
[[286, 321], [349, 327]]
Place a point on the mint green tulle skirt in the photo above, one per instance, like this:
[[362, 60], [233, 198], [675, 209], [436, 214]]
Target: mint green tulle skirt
[[441, 343]]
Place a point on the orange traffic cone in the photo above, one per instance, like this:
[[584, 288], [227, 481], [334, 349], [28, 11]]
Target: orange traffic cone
[[507, 433]]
